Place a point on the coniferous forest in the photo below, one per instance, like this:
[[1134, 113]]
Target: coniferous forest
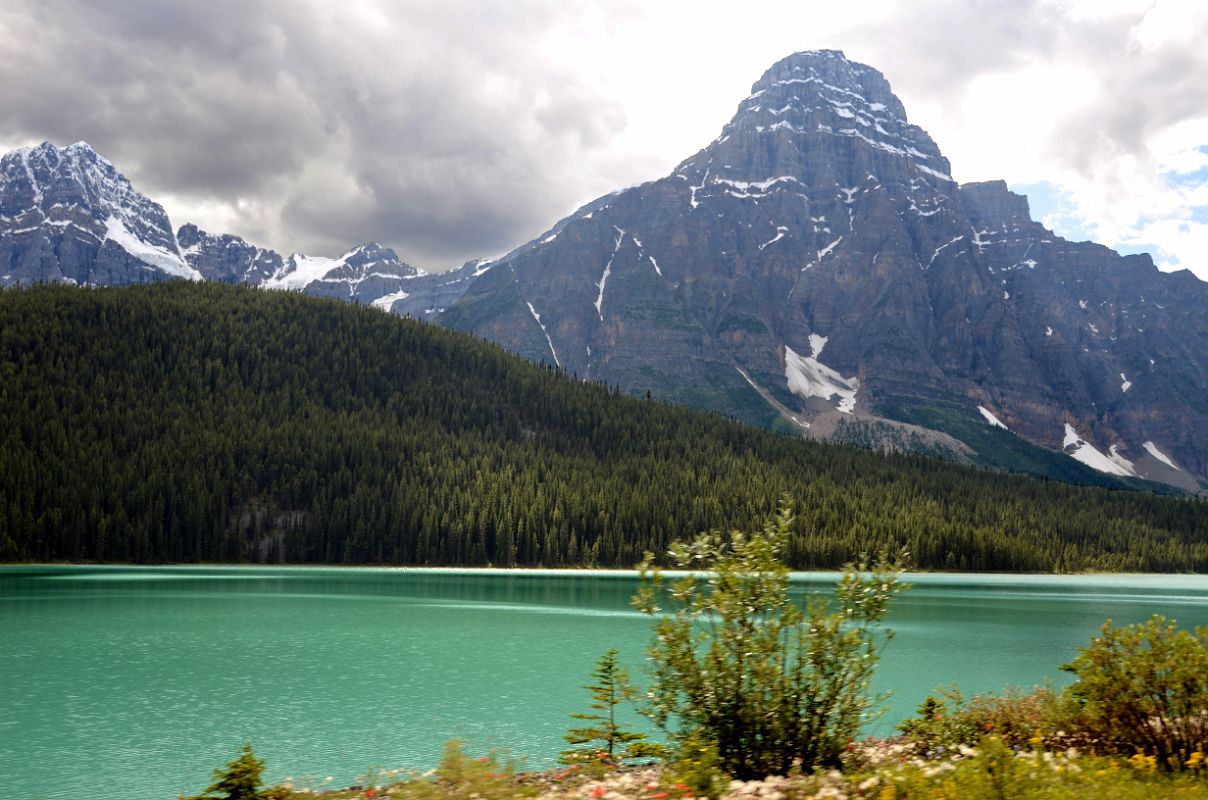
[[181, 422]]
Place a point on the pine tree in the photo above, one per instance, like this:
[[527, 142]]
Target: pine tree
[[240, 780], [612, 687]]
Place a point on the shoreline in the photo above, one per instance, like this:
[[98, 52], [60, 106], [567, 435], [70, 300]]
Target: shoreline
[[584, 571]]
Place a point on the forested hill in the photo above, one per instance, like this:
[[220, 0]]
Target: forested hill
[[186, 422]]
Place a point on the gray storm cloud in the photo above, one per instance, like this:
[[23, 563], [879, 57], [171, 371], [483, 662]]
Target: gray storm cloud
[[441, 131]]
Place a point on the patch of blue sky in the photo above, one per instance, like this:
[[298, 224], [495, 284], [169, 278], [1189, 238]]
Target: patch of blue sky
[[1183, 180], [1053, 208], [1137, 248]]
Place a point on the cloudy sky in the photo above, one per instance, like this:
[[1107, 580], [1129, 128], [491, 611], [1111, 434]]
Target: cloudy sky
[[454, 129]]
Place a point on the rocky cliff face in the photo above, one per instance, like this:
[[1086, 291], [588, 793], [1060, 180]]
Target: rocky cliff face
[[817, 263], [226, 258]]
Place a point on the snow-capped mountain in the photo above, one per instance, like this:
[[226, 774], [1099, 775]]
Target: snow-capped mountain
[[369, 273], [67, 215], [816, 264]]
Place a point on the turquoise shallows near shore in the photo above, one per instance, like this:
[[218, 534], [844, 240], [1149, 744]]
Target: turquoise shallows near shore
[[133, 683]]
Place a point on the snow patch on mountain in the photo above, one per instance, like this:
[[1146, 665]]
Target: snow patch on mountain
[[807, 377], [541, 325], [1076, 447], [159, 257], [608, 271], [387, 300], [301, 271], [990, 418], [780, 232], [1120, 461], [1153, 450]]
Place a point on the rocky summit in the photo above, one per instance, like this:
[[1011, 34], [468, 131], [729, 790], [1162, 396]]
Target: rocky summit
[[67, 215], [816, 266]]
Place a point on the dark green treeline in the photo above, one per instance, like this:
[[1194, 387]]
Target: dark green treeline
[[183, 422]]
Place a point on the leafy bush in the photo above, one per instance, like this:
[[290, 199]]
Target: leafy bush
[[741, 666], [1144, 688]]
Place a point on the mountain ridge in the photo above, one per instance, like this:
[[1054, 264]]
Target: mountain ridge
[[815, 267]]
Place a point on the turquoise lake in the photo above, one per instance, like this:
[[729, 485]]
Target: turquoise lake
[[122, 683]]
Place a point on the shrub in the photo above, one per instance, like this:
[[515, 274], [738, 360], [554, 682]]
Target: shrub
[[695, 767], [460, 776], [1144, 688], [741, 666], [1018, 718]]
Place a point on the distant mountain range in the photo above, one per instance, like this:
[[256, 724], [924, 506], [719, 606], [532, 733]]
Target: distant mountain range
[[815, 268]]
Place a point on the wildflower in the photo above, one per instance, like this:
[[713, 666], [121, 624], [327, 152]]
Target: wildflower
[[1143, 763], [599, 791]]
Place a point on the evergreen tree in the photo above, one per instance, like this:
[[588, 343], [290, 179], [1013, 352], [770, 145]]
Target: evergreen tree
[[239, 781], [611, 688]]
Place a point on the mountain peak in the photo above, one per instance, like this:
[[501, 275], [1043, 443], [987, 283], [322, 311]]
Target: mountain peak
[[823, 70], [817, 118]]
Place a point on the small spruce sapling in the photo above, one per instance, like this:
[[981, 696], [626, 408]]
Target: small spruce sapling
[[239, 781], [611, 688]]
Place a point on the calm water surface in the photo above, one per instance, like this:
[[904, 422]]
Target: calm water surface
[[128, 683]]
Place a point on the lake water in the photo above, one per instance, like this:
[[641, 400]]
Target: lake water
[[129, 683]]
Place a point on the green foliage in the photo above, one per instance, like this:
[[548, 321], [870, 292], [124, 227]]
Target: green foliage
[[1144, 688], [611, 688], [239, 781], [697, 767], [184, 423], [1017, 718], [741, 666]]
